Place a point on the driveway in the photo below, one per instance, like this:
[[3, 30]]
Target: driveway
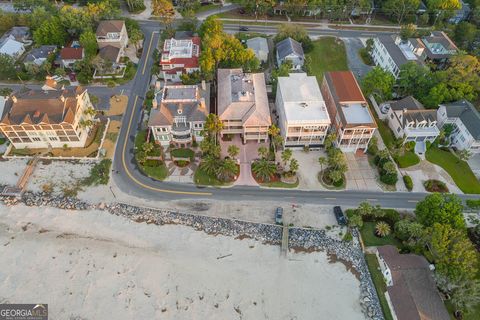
[[248, 153], [355, 63], [360, 175]]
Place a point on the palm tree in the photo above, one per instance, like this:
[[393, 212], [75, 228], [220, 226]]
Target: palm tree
[[355, 221], [264, 169], [209, 164], [390, 168], [365, 209], [382, 229], [286, 155], [90, 111], [322, 161], [85, 123], [263, 152], [329, 140], [293, 167], [277, 142], [213, 125], [233, 151], [335, 175], [273, 131], [227, 170]]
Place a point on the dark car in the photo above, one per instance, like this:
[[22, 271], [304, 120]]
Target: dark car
[[243, 28], [341, 219], [279, 216]]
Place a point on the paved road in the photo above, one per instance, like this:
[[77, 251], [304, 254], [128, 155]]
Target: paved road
[[315, 31], [131, 181]]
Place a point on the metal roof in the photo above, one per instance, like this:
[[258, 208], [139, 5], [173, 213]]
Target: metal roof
[[289, 46]]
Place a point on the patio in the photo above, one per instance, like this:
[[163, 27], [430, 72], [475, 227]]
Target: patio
[[248, 153]]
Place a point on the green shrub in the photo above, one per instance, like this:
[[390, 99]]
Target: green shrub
[[473, 203], [391, 216], [99, 173], [408, 182], [433, 185], [348, 237], [389, 179]]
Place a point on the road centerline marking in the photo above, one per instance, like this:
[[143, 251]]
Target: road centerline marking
[[148, 53]]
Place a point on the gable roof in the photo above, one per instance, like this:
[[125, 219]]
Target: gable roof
[[11, 47], [192, 101], [414, 294], [258, 44], [289, 46], [41, 52], [38, 106], [71, 53], [243, 96], [109, 26], [17, 33], [109, 53], [467, 113], [409, 103]]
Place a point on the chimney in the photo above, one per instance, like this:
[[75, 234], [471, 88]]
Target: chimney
[[202, 103], [204, 85], [62, 98], [14, 99]]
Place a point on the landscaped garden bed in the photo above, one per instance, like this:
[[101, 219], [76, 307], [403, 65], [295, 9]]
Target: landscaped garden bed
[[433, 185]]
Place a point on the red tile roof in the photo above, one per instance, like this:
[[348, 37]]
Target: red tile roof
[[346, 87], [71, 53]]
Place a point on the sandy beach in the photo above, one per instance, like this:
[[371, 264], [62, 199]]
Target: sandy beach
[[93, 265]]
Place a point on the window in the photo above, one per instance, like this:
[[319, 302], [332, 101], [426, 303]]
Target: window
[[398, 129], [391, 116], [53, 138], [36, 139]]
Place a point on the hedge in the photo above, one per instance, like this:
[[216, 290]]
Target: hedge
[[408, 182]]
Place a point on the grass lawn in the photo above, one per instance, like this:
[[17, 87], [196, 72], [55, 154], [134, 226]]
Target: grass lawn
[[408, 159], [280, 184], [159, 173], [206, 7], [183, 153], [328, 54], [379, 283], [140, 138], [387, 134], [203, 179], [459, 170], [370, 239]]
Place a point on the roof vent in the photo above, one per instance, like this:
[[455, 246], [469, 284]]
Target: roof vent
[[304, 104], [36, 114]]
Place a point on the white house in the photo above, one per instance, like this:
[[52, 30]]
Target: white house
[[303, 115], [390, 52], [259, 46], [466, 123], [409, 120], [12, 48], [180, 56], [289, 49]]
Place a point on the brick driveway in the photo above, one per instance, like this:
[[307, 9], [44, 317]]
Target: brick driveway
[[248, 153], [360, 175]]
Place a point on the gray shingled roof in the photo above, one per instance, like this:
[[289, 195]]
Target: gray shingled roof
[[289, 46], [393, 50], [409, 103], [39, 53], [468, 115], [414, 294]]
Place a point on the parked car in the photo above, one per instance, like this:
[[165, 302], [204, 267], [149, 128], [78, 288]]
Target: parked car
[[279, 216], [243, 28], [341, 218]]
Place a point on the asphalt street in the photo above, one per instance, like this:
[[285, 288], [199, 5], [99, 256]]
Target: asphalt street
[[131, 181]]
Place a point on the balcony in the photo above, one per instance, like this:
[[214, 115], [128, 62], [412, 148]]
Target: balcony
[[181, 129]]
